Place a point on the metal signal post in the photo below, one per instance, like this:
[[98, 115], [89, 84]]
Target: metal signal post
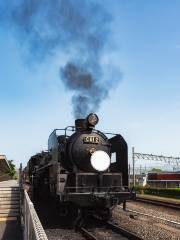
[[175, 161], [133, 160]]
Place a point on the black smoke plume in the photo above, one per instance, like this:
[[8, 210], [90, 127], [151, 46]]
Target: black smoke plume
[[79, 28]]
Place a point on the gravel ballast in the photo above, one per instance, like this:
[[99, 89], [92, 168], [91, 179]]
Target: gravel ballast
[[63, 234], [147, 227]]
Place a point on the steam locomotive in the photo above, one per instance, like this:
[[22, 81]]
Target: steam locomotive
[[82, 170]]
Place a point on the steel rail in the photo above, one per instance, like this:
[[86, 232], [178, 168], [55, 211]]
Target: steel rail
[[159, 202], [87, 234], [122, 231], [117, 229], [153, 216]]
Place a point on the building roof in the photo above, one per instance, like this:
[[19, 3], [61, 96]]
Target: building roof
[[4, 165], [169, 176]]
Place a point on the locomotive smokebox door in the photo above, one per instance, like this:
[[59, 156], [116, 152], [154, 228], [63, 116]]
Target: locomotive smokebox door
[[119, 152]]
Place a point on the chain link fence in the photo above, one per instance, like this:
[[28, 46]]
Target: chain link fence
[[33, 229]]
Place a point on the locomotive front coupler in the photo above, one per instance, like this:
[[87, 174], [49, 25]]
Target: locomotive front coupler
[[104, 200]]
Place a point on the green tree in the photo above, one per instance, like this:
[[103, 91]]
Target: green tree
[[12, 170], [156, 170]]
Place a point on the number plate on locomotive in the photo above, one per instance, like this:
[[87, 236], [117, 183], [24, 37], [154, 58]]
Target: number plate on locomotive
[[91, 139]]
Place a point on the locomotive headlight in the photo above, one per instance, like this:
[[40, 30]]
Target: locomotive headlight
[[100, 160], [92, 119]]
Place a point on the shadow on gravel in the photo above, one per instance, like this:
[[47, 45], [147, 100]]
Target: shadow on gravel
[[10, 230], [48, 215]]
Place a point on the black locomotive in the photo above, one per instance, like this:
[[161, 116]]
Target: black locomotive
[[83, 170]]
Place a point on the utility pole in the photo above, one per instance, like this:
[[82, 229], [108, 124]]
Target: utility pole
[[133, 160], [129, 176]]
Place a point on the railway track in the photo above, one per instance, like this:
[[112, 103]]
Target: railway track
[[109, 231], [158, 202], [92, 228], [88, 235], [153, 216]]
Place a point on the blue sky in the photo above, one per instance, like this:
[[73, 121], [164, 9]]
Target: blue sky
[[144, 45]]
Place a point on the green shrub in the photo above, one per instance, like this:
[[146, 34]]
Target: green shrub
[[163, 192], [12, 170]]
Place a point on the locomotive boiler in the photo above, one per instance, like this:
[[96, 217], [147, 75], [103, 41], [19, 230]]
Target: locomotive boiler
[[82, 169]]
